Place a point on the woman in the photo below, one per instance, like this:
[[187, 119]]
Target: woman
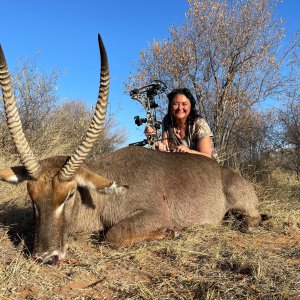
[[183, 128]]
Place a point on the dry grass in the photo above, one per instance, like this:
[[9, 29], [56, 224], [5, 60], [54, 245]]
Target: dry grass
[[203, 263]]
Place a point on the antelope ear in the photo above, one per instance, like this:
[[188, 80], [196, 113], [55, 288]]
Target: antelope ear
[[89, 179], [14, 175]]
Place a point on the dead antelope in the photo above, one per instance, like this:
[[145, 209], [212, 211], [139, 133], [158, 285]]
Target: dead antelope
[[167, 191]]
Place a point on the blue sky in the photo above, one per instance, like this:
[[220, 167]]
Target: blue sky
[[64, 34]]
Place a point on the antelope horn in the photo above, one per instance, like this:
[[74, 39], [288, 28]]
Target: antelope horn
[[14, 123], [68, 170]]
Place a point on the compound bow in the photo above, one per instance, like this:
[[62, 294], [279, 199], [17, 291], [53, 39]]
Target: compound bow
[[145, 95]]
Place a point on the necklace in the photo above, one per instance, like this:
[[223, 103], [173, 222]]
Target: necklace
[[180, 130]]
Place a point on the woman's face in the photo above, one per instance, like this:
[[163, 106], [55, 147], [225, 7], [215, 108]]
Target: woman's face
[[181, 107]]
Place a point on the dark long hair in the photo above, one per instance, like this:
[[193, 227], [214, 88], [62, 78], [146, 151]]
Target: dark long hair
[[194, 114]]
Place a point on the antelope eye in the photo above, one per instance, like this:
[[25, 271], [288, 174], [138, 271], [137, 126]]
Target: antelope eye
[[71, 194]]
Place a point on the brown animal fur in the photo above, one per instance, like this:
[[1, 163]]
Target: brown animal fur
[[167, 192]]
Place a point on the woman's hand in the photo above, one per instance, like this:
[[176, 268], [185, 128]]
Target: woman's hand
[[149, 130], [204, 148], [182, 149], [161, 146]]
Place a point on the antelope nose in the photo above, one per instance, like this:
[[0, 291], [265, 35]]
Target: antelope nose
[[54, 260], [50, 260]]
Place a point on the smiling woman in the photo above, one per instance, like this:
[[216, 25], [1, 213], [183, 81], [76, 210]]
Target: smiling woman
[[184, 130]]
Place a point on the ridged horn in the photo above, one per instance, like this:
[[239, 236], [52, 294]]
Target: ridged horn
[[68, 170], [14, 123]]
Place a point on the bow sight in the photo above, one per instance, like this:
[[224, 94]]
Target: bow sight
[[145, 95]]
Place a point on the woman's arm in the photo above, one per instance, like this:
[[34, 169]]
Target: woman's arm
[[163, 144], [203, 135], [204, 147], [159, 145]]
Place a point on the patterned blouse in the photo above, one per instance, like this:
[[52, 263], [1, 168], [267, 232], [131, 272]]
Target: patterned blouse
[[195, 131]]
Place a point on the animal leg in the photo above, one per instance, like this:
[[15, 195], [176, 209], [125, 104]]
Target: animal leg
[[140, 227]]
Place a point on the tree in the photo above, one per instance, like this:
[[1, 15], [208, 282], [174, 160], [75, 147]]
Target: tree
[[289, 119], [68, 124], [52, 129], [229, 53], [35, 93]]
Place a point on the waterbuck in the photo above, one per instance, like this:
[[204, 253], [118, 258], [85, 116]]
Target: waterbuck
[[159, 192]]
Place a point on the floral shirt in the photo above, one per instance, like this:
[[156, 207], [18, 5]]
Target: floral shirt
[[195, 131]]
